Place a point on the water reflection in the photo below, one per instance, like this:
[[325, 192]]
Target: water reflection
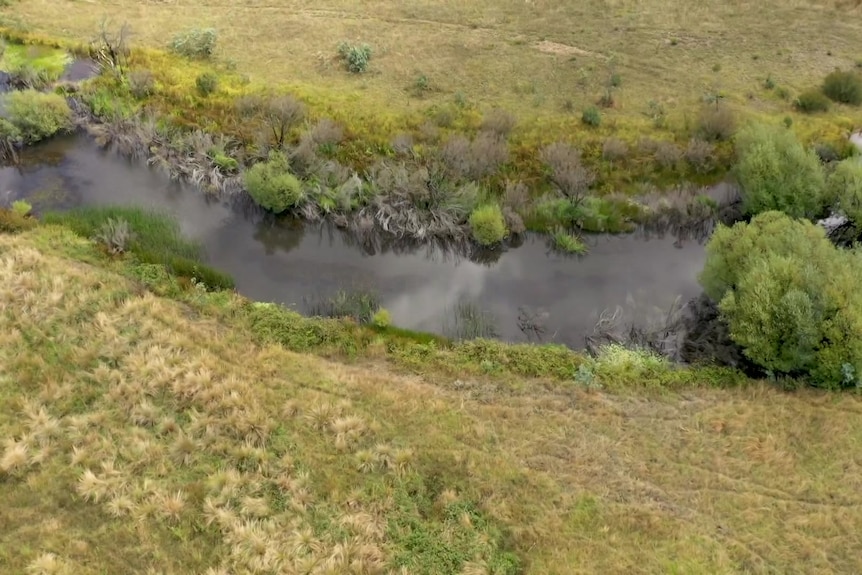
[[284, 261]]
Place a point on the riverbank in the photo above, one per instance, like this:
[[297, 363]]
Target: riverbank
[[141, 410], [409, 179]]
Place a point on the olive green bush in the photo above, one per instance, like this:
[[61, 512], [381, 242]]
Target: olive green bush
[[789, 298], [37, 115], [488, 225], [844, 189], [271, 184], [777, 173]]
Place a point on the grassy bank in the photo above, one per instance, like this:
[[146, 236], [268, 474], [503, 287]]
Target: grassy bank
[[195, 430]]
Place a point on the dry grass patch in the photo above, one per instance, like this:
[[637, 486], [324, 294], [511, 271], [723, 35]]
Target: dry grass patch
[[132, 419]]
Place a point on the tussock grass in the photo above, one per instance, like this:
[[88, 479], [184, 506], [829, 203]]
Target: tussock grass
[[171, 430]]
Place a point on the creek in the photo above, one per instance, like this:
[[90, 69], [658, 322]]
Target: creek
[[288, 262]]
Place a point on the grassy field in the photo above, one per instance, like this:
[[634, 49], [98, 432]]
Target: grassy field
[[534, 58], [150, 435]]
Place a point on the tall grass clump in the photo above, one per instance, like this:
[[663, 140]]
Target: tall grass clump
[[151, 237], [466, 321], [567, 242], [362, 306], [789, 298], [488, 225], [812, 101], [777, 173], [37, 116], [844, 86], [196, 43], [271, 184]]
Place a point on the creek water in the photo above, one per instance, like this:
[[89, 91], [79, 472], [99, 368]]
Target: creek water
[[287, 262]]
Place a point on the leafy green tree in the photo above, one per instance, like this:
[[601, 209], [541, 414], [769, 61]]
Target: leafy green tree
[[777, 173], [844, 188]]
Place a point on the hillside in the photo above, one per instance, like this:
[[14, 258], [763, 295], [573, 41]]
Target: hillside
[[153, 435]]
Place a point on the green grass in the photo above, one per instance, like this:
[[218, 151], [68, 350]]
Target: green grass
[[156, 239], [147, 433]]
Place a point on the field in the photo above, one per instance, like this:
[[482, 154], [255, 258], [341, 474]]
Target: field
[[157, 435], [542, 61]]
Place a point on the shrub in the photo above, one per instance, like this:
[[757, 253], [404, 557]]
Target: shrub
[[142, 83], [700, 155], [488, 225], [499, 122], [355, 56], [206, 83], [777, 173], [667, 155], [716, 123], [279, 114], [114, 235], [22, 208], [488, 151], [812, 101], [195, 43], [272, 186], [788, 297], [381, 318], [567, 242], [38, 116], [566, 170], [844, 189], [11, 222], [614, 150], [592, 117], [844, 86], [730, 249]]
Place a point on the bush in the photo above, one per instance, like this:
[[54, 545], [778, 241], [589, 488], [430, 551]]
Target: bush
[[206, 83], [716, 123], [667, 155], [789, 298], [844, 189], [38, 116], [488, 225], [844, 86], [141, 83], [381, 318], [195, 43], [614, 150], [114, 235], [355, 56], [567, 172], [272, 186], [499, 122], [700, 155], [22, 208], [777, 173], [592, 117], [11, 222], [812, 101]]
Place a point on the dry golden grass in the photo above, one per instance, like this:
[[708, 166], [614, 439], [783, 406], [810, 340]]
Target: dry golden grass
[[532, 57], [141, 436]]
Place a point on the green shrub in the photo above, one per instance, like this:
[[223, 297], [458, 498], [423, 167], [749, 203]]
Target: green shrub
[[789, 298], [206, 83], [731, 250], [592, 117], [844, 189], [568, 243], [38, 116], [812, 101], [271, 184], [381, 318], [195, 43], [356, 56], [22, 208], [844, 86], [488, 225], [777, 173]]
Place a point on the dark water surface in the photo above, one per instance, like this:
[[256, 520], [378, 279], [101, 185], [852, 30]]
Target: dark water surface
[[289, 262]]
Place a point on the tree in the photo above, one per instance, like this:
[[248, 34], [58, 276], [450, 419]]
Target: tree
[[844, 189], [777, 173]]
